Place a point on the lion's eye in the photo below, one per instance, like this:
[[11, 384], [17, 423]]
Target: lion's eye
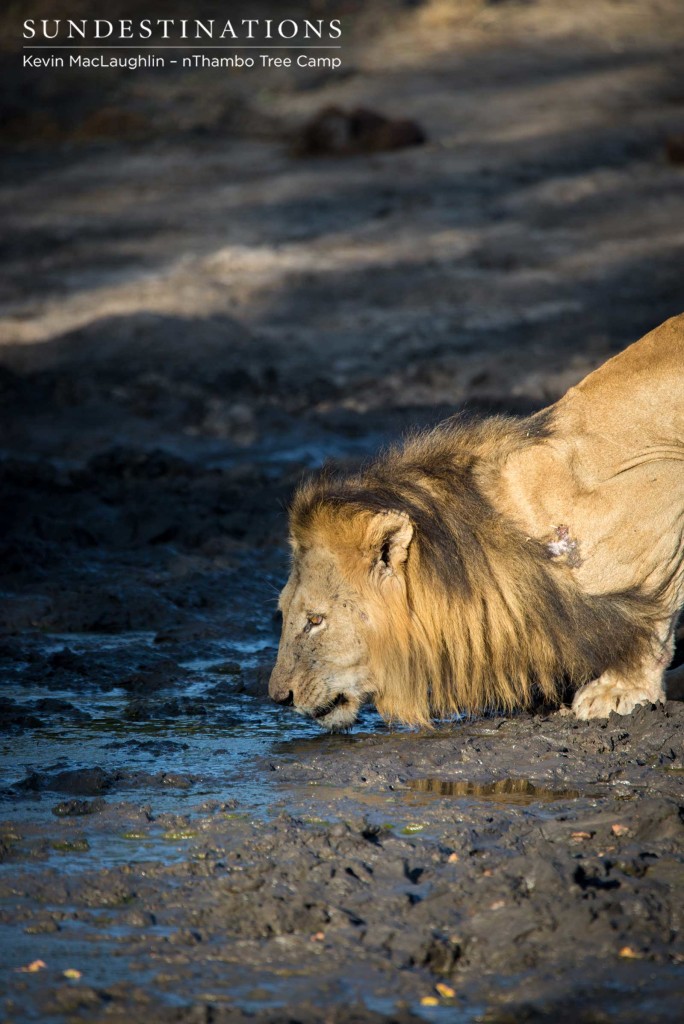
[[311, 621]]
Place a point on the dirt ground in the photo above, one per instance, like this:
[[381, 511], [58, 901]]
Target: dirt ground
[[193, 314]]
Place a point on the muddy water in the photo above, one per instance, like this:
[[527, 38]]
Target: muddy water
[[189, 721], [86, 743]]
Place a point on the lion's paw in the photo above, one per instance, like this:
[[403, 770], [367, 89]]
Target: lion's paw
[[600, 698]]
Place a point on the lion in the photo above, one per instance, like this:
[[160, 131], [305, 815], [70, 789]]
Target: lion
[[491, 564]]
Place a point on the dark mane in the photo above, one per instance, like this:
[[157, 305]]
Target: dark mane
[[503, 620]]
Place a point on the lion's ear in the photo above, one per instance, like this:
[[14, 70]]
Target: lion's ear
[[391, 534]]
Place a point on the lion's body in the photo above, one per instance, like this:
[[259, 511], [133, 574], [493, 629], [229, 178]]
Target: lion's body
[[483, 564], [614, 467]]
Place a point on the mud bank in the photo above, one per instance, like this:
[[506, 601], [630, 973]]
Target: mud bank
[[530, 865]]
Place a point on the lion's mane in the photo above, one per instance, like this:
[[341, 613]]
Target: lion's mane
[[487, 619]]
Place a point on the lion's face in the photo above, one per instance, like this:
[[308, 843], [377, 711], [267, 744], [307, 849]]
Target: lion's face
[[332, 607], [322, 666]]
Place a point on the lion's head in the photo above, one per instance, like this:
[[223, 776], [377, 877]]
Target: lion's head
[[346, 571]]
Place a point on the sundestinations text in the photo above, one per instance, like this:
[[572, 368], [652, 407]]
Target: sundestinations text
[[126, 29]]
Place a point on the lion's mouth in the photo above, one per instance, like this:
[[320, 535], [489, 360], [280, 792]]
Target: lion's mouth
[[325, 709]]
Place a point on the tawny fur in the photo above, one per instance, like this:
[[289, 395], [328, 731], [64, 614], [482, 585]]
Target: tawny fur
[[487, 564], [487, 620]]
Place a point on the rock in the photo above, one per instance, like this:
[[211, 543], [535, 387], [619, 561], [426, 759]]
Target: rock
[[336, 132]]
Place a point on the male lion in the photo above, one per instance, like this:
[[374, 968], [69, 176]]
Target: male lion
[[485, 564]]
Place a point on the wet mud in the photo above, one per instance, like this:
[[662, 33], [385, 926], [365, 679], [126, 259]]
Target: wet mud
[[187, 327]]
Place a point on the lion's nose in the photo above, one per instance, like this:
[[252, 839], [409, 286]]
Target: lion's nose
[[279, 687], [286, 702]]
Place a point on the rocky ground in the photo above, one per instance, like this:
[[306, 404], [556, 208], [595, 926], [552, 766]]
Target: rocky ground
[[193, 313]]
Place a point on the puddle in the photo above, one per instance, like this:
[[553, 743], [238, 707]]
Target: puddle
[[505, 791], [198, 738], [399, 809]]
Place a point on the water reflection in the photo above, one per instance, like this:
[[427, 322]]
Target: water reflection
[[504, 791]]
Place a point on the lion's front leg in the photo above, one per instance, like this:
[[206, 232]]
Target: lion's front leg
[[622, 691], [615, 692]]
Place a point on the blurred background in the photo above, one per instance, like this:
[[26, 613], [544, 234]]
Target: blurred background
[[481, 204]]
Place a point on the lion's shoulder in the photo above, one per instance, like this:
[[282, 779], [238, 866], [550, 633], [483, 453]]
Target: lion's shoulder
[[610, 475]]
